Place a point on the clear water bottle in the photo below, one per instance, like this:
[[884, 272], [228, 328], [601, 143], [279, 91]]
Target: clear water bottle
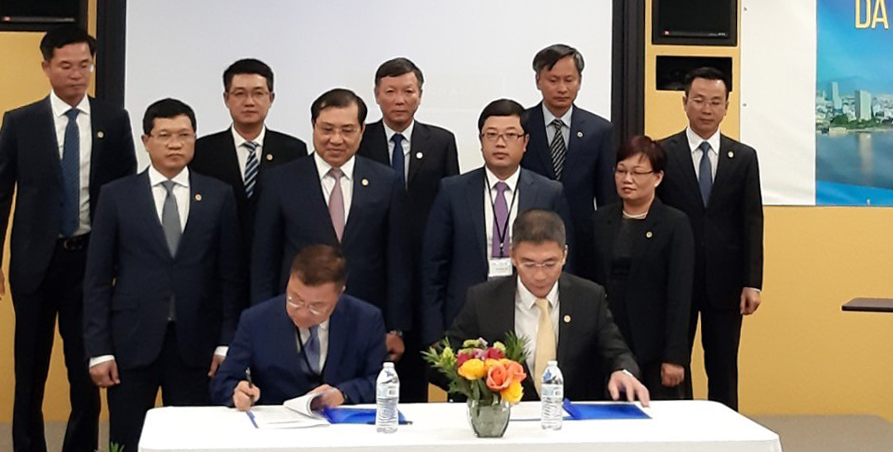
[[387, 395], [552, 397]]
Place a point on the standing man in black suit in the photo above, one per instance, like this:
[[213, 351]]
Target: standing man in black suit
[[715, 180], [55, 154], [467, 239], [337, 198], [164, 281], [581, 156], [424, 155], [241, 154], [564, 318]]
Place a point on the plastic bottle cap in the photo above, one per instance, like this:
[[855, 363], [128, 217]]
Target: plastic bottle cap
[[552, 363], [388, 365]]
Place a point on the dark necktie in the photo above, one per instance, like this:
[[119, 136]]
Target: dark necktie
[[71, 175], [558, 148], [500, 219], [170, 218], [705, 173], [311, 349], [397, 161], [251, 165]]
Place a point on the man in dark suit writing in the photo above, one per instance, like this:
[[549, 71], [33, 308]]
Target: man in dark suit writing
[[314, 338], [468, 237], [339, 199], [164, 280], [570, 144], [564, 318], [715, 180], [242, 154], [421, 155], [55, 154]]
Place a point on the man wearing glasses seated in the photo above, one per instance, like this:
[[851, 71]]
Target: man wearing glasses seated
[[314, 338], [563, 317], [467, 236]]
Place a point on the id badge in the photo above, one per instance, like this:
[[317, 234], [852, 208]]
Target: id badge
[[499, 267]]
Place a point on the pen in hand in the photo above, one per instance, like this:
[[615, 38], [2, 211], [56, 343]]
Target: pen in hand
[[250, 383]]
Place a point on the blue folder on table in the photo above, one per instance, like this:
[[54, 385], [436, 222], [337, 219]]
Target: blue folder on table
[[342, 415], [582, 411]]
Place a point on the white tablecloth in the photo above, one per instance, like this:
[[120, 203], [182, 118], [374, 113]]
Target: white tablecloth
[[684, 426]]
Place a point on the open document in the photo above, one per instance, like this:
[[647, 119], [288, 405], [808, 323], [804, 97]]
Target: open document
[[299, 412]]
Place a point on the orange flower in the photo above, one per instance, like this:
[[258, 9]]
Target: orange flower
[[498, 378], [513, 393], [515, 370], [472, 369]]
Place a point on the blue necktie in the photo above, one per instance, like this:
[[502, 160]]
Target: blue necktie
[[251, 165], [705, 176], [71, 175], [397, 161], [311, 349]]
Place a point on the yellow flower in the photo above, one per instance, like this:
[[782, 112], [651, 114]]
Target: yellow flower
[[472, 369], [490, 363], [513, 393]]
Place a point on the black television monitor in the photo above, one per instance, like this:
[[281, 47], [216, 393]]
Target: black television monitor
[[41, 15], [695, 22]]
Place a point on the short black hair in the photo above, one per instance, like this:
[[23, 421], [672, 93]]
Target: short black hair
[[643, 144], [316, 265], [63, 36], [503, 107], [397, 67], [538, 226], [247, 66], [341, 98], [708, 73], [166, 108], [546, 58]]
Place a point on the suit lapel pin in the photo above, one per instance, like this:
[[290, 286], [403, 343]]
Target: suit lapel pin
[[365, 182], [579, 134], [731, 155], [418, 155], [99, 134], [269, 157], [567, 318], [648, 234], [198, 197]]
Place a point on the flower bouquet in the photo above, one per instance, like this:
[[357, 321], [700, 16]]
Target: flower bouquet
[[490, 377]]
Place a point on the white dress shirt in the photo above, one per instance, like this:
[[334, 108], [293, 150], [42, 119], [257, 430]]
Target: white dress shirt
[[527, 317], [407, 145], [548, 117], [694, 141], [322, 333], [511, 203], [85, 135], [181, 193], [328, 182], [242, 151]]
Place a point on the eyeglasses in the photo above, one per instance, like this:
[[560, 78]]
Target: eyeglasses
[[509, 137], [317, 308], [712, 103], [621, 173], [329, 132], [547, 266], [243, 95], [85, 68], [167, 137]]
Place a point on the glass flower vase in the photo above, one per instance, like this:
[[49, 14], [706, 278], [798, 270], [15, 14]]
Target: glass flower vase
[[489, 420]]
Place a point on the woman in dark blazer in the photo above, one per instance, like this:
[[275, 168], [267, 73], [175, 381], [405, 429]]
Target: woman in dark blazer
[[644, 254]]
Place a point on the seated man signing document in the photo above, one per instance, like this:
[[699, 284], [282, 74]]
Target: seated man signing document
[[314, 338]]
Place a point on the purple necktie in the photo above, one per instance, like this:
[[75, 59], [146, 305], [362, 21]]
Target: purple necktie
[[336, 203], [500, 220]]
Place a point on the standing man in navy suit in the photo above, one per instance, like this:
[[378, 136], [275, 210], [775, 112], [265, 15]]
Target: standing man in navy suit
[[241, 154], [570, 145], [421, 155], [715, 180], [55, 154], [467, 239], [314, 338], [337, 198], [164, 281]]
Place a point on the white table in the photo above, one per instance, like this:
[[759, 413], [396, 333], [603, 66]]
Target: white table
[[684, 426]]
